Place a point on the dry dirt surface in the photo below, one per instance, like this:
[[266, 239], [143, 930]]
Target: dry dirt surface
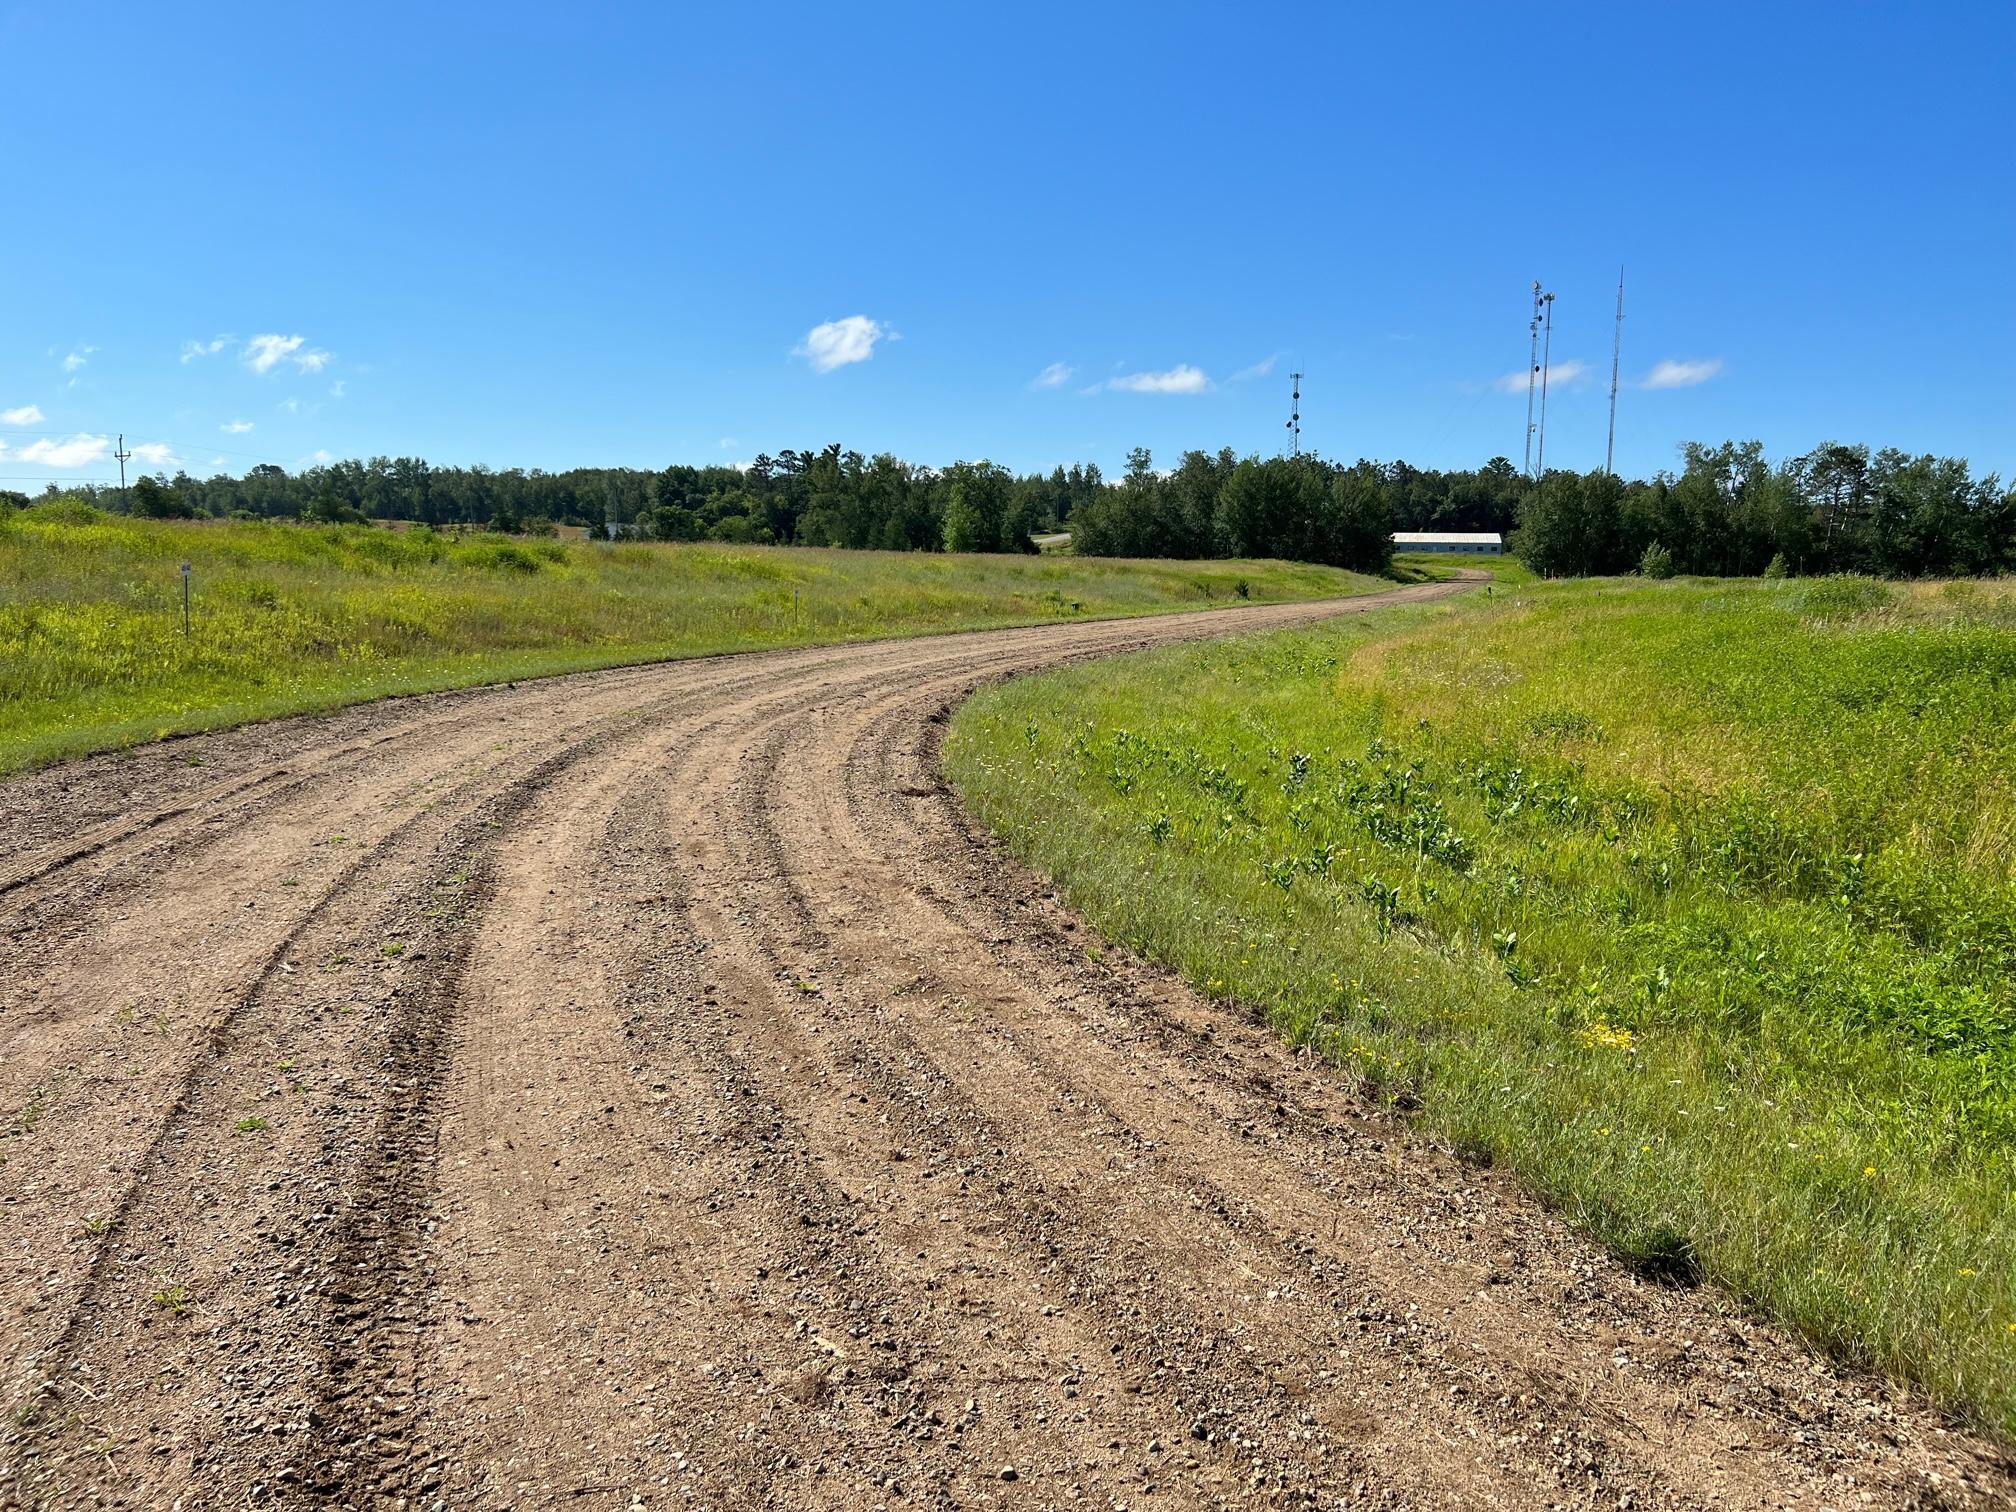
[[648, 1089]]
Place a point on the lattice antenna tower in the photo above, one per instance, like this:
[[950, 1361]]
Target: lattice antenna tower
[[1295, 416], [1532, 373], [1616, 355], [1546, 361]]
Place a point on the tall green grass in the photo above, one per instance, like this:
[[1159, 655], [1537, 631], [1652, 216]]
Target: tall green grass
[[1693, 902], [288, 619]]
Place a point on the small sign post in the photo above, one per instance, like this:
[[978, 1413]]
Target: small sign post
[[185, 600]]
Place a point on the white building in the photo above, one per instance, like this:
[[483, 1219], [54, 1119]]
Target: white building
[[1486, 542]]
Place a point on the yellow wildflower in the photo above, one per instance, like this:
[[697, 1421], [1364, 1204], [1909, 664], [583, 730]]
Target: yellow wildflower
[[1602, 1036]]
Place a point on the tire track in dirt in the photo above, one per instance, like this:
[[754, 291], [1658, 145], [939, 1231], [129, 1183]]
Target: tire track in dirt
[[738, 1127], [160, 1182], [1091, 1085], [802, 1239]]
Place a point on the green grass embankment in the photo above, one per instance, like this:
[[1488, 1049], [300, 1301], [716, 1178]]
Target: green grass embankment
[[1692, 902]]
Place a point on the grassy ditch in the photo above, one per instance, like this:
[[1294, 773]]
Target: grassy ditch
[[1693, 902], [288, 619]]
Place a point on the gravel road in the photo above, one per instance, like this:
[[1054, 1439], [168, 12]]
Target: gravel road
[[647, 1088]]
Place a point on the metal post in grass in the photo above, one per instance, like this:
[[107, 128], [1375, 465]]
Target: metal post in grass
[[185, 600]]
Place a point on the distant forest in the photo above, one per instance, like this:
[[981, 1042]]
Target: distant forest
[[1729, 510]]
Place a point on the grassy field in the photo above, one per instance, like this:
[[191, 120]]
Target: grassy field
[[1691, 901], [289, 619], [1439, 566]]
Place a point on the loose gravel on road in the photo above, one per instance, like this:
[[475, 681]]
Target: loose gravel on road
[[647, 1089]]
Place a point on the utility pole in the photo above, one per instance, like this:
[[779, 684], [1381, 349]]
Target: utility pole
[[122, 454], [1295, 417], [1532, 372], [1616, 352], [1546, 361]]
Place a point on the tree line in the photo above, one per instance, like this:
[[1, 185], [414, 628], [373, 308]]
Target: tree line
[[830, 497], [1218, 504], [1729, 510]]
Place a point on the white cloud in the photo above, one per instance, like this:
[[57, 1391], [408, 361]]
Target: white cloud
[[1671, 374], [838, 342], [1259, 369], [1558, 374], [71, 451], [321, 456], [78, 358], [336, 389], [235, 427], [265, 353], [1054, 376], [1180, 379], [191, 350], [292, 406], [27, 414], [159, 453]]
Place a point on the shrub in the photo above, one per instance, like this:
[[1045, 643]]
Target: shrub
[[1657, 562], [1777, 568], [68, 510]]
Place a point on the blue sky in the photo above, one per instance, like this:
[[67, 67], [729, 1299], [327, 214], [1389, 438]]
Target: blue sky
[[556, 236]]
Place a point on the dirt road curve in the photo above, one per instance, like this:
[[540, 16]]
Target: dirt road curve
[[645, 1089]]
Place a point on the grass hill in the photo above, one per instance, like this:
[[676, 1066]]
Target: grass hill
[[288, 618]]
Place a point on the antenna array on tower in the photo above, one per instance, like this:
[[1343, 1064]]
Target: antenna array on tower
[[1295, 417]]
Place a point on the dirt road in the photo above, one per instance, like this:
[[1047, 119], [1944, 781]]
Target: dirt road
[[645, 1089]]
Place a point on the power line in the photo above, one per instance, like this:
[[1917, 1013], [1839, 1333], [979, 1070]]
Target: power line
[[122, 454]]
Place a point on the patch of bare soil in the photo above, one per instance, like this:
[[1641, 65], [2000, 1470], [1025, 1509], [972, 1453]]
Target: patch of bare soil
[[646, 1089]]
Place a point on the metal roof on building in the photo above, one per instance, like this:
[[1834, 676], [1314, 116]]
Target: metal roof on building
[[1447, 538]]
